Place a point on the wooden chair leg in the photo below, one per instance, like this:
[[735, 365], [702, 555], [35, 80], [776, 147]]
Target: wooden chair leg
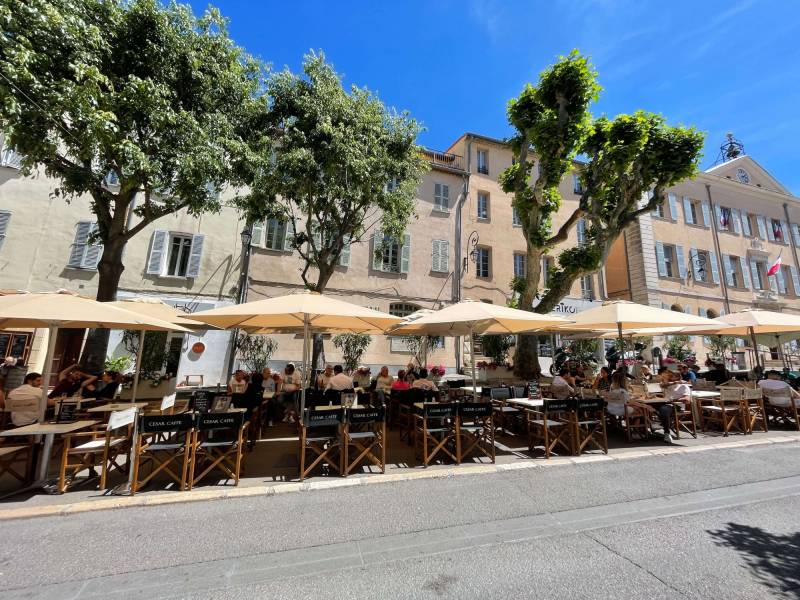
[[62, 479]]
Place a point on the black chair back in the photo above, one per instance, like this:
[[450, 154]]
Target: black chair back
[[366, 414], [454, 384], [565, 405], [402, 396], [471, 410], [216, 421], [500, 393], [322, 418], [589, 404], [520, 391], [423, 395], [439, 410], [166, 423]]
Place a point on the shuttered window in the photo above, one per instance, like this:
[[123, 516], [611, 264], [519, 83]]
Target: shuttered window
[[580, 228], [483, 206], [5, 219], [84, 254], [390, 256], [519, 264], [175, 254], [441, 197], [440, 256]]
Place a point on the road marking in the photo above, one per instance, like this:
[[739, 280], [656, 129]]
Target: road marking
[[160, 499]]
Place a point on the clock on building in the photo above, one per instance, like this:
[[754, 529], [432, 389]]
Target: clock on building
[[742, 175]]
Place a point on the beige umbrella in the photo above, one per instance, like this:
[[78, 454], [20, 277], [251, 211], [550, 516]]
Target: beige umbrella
[[309, 312], [469, 317], [55, 310], [153, 307], [750, 322]]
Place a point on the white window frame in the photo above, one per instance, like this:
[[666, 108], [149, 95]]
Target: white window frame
[[520, 264], [481, 253], [183, 249], [482, 161], [482, 209], [440, 256], [441, 197], [515, 220], [587, 287]]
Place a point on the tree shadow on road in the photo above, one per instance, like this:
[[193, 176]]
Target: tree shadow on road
[[773, 558]]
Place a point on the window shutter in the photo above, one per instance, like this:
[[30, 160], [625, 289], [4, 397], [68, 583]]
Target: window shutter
[[78, 249], [377, 244], [706, 213], [694, 263], [444, 255], [757, 283], [712, 258], [446, 198], [662, 267], [781, 281], [702, 312], [195, 254], [718, 212], [673, 207], [93, 251], [288, 236], [344, 257], [158, 247], [784, 232], [257, 230], [770, 231], [681, 262], [726, 265], [737, 225], [773, 283], [5, 219], [745, 272], [762, 227], [405, 254], [435, 255], [796, 234], [687, 210], [580, 228], [746, 224], [795, 280]]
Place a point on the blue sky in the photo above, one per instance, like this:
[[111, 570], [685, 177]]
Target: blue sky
[[721, 66]]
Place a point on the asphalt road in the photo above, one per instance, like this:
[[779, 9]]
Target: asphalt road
[[711, 524]]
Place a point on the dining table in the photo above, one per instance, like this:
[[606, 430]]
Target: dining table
[[115, 406], [49, 431]]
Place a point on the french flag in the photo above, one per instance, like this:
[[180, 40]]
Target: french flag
[[774, 267]]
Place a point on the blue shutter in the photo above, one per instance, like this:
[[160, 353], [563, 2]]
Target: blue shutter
[[158, 248], [93, 251], [746, 224], [673, 207], [687, 210], [726, 266], [195, 255], [5, 219], [795, 280], [781, 281], [78, 248], [257, 229], [377, 245], [706, 213], [288, 236], [405, 254], [694, 264], [344, 257], [762, 227], [662, 267], [737, 226], [681, 262], [756, 276], [745, 272], [712, 258], [784, 232], [796, 234]]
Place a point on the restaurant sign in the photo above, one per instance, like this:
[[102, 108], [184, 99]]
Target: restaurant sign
[[571, 306]]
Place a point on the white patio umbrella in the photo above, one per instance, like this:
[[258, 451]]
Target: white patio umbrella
[[469, 317], [306, 312]]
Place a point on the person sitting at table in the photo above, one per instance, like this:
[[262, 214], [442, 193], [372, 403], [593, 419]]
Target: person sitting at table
[[719, 374], [602, 382], [686, 374], [238, 383], [252, 396], [362, 377], [664, 376], [288, 390], [777, 391], [340, 381], [70, 382], [383, 384], [645, 373], [578, 374], [411, 369], [562, 385], [324, 378], [400, 383], [618, 396], [269, 384], [423, 382], [25, 401], [105, 389]]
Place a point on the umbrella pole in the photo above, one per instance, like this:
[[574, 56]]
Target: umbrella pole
[[47, 371], [621, 341], [472, 360], [305, 367], [755, 348], [139, 351]]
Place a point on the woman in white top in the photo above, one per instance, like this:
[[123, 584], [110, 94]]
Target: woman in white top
[[423, 382], [383, 384], [290, 386], [618, 396]]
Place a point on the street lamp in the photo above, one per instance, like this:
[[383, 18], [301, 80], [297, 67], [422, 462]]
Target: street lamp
[[246, 236], [472, 244]]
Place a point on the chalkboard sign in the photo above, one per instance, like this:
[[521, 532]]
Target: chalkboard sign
[[201, 400], [66, 412], [534, 391]]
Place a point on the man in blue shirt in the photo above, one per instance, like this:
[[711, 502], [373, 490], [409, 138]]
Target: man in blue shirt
[[687, 374]]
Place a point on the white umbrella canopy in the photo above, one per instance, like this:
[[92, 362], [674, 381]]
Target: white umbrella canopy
[[284, 314], [624, 315], [153, 307], [469, 317]]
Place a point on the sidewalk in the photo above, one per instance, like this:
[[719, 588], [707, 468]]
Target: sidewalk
[[272, 469]]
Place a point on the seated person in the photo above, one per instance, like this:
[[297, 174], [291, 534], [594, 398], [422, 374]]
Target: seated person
[[664, 376], [383, 384], [618, 395], [24, 402], [339, 381], [238, 383], [645, 372], [252, 396], [687, 374], [269, 385], [324, 378], [603, 380], [288, 391], [578, 375], [719, 374], [562, 385], [70, 382], [105, 389], [400, 383], [777, 391], [423, 382], [362, 377]]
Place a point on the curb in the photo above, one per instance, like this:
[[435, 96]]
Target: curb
[[310, 486]]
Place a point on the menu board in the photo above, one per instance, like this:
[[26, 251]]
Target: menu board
[[201, 400], [533, 389], [66, 412]]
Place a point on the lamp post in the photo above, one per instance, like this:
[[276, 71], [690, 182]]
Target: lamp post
[[241, 296]]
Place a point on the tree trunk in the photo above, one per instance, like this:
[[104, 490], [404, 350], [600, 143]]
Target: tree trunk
[[325, 273], [526, 354], [109, 272]]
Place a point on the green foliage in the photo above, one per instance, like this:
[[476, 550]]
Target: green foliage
[[154, 354], [352, 346], [719, 345], [255, 351], [334, 152], [497, 346], [584, 350], [678, 347], [419, 346], [120, 364], [151, 94]]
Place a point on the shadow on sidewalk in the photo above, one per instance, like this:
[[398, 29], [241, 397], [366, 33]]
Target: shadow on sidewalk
[[773, 558]]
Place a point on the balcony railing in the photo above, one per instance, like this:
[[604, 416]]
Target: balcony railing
[[444, 159]]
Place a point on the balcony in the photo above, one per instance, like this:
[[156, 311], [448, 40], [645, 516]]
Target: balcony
[[452, 162]]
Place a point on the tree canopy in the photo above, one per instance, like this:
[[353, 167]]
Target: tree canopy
[[626, 165]]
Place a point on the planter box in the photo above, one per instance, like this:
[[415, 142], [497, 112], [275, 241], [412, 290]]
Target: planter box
[[500, 373], [146, 391]]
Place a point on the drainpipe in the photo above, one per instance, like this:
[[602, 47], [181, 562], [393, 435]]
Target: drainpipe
[[458, 254], [792, 245], [722, 279]]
